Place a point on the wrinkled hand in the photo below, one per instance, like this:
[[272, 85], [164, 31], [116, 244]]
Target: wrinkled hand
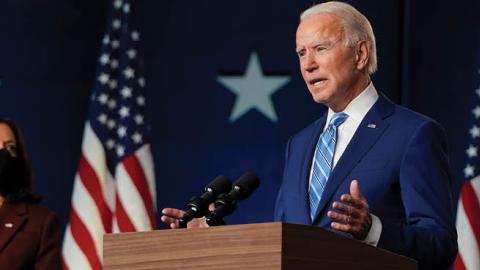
[[352, 214], [171, 215]]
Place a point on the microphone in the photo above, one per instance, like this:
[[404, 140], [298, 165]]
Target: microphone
[[226, 203], [198, 206]]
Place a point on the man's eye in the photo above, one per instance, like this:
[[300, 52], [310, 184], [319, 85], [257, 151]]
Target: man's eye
[[320, 48]]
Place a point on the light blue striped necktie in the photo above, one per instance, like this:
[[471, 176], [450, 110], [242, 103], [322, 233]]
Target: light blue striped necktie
[[324, 161]]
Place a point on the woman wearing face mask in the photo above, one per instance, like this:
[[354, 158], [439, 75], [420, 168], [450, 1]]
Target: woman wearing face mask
[[29, 232]]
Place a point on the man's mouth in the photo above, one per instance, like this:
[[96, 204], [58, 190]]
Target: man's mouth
[[316, 82]]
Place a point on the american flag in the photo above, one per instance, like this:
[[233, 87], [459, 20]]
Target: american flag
[[114, 189], [468, 211]]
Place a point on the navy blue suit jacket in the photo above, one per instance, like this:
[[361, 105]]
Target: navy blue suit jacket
[[402, 167]]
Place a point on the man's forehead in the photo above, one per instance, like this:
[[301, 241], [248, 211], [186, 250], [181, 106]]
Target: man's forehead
[[322, 26]]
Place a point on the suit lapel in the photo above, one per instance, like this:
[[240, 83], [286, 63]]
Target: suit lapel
[[12, 218], [368, 132]]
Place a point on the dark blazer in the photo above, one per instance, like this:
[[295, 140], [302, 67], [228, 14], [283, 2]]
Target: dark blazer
[[399, 158], [29, 237]]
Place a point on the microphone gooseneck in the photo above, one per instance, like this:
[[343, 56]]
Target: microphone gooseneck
[[225, 204], [198, 206]]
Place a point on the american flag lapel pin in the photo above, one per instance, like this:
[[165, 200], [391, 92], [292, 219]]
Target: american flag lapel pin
[[372, 126], [8, 225]]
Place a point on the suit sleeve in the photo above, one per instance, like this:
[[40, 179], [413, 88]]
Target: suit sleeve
[[428, 233], [48, 256], [279, 213]]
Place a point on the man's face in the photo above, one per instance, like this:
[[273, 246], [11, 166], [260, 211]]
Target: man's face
[[328, 66]]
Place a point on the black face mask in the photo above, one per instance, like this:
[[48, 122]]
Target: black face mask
[[8, 171]]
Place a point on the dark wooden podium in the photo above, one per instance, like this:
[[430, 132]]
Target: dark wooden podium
[[251, 246]]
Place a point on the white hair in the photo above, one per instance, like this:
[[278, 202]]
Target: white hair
[[356, 27]]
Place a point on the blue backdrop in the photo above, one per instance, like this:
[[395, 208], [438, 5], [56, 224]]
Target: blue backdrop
[[49, 50]]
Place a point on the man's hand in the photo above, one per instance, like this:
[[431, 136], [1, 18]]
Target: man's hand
[[352, 214], [171, 215]]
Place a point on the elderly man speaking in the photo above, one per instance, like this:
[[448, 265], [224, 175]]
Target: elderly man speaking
[[368, 168]]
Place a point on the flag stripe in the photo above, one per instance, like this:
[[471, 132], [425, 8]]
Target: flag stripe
[[92, 185], [468, 249], [89, 214], [145, 158], [123, 220], [94, 154], [84, 240], [64, 265], [72, 256], [470, 204], [133, 168], [458, 264], [131, 200]]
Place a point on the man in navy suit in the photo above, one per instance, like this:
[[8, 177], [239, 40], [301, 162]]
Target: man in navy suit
[[381, 173]]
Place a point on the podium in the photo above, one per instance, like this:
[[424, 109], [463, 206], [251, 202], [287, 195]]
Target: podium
[[251, 246]]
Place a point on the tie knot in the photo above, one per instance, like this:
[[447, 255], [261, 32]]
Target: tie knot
[[338, 118]]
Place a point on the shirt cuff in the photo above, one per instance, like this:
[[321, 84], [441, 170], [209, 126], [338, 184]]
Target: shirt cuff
[[373, 235]]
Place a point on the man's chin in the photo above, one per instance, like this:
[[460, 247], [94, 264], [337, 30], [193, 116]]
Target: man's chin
[[320, 99]]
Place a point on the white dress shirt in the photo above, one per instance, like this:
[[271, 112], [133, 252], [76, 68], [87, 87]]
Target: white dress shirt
[[356, 110]]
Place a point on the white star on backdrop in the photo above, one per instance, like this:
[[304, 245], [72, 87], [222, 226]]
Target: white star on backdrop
[[254, 90]]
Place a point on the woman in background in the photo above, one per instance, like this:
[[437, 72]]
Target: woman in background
[[29, 232]]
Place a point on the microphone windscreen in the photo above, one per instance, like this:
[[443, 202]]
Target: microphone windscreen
[[219, 185], [247, 183]]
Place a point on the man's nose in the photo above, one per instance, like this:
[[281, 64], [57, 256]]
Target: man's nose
[[310, 64]]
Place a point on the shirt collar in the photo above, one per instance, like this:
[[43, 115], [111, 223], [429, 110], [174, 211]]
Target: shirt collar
[[359, 106]]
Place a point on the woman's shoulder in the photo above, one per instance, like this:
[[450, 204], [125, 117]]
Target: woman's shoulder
[[34, 210], [39, 208]]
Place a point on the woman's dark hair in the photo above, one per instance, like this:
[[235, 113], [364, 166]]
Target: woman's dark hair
[[21, 187]]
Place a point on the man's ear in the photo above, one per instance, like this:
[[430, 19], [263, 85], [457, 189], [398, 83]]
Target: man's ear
[[361, 55]]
